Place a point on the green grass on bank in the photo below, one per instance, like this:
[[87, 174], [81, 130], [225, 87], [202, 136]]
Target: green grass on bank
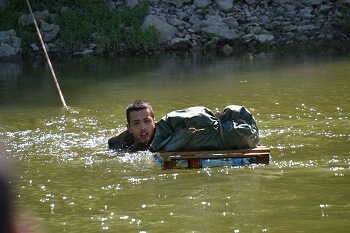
[[82, 22], [113, 31]]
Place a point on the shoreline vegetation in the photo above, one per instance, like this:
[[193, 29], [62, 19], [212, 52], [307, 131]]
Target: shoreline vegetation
[[109, 28]]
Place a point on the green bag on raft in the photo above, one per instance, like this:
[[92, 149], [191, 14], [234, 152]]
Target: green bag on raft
[[198, 129]]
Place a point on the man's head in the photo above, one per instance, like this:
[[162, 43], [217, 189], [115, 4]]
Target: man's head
[[140, 117]]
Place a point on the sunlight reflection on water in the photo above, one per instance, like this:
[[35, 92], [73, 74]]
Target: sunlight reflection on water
[[67, 176]]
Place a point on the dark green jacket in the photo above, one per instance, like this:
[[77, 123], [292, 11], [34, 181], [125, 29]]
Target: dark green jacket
[[126, 141]]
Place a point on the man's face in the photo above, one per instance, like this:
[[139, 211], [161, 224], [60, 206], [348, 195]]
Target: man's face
[[141, 125]]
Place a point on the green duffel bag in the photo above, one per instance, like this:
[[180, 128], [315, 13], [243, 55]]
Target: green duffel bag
[[198, 129]]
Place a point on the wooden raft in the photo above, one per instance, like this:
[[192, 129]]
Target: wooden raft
[[168, 159]]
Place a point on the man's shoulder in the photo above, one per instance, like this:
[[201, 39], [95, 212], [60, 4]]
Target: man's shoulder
[[125, 141], [121, 141]]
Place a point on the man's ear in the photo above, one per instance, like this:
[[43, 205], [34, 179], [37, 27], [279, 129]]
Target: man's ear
[[128, 127]]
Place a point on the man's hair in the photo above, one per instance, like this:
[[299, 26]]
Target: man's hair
[[138, 105]]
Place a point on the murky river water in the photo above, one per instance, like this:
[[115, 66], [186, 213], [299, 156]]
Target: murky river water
[[66, 179]]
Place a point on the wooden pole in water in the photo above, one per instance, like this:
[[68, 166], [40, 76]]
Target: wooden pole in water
[[47, 57]]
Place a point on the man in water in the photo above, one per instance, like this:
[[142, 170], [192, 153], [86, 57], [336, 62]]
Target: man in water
[[140, 128]]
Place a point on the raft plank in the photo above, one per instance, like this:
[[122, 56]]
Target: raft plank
[[259, 149], [260, 153], [219, 156]]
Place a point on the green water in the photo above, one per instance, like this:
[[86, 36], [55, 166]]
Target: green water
[[67, 181]]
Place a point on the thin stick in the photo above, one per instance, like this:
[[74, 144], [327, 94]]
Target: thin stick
[[47, 56]]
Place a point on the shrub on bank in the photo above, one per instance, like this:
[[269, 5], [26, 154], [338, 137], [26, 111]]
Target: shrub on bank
[[84, 23], [9, 20]]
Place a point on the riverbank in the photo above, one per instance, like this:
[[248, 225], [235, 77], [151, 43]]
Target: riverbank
[[124, 27]]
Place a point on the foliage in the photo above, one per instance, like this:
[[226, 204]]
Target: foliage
[[84, 22], [75, 28], [345, 20], [113, 30], [20, 6], [136, 39], [132, 17], [108, 31], [28, 36], [142, 40], [9, 19], [9, 16]]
